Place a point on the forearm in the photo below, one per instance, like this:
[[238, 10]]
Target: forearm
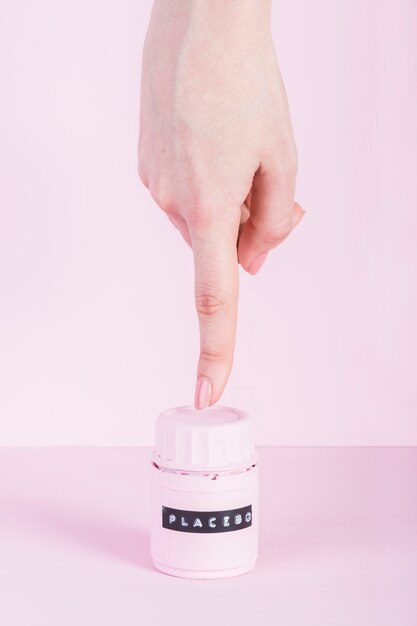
[[220, 18]]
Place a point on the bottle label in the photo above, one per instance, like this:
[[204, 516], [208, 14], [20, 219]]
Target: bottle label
[[206, 521]]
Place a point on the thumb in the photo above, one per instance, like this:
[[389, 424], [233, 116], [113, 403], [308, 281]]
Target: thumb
[[273, 215], [216, 298]]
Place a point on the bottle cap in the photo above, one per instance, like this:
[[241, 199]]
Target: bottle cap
[[216, 438]]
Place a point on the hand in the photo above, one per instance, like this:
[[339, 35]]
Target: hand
[[217, 152]]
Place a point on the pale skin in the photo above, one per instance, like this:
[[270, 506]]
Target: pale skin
[[217, 153]]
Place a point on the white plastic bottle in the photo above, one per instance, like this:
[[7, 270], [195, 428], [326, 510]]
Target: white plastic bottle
[[204, 493]]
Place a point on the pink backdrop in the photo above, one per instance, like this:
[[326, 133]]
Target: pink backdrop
[[97, 325]]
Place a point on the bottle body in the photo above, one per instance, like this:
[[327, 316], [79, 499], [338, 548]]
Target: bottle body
[[204, 525]]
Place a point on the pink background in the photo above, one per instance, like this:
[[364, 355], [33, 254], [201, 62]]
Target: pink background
[[97, 325]]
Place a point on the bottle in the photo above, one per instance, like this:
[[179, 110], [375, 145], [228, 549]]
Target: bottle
[[204, 493]]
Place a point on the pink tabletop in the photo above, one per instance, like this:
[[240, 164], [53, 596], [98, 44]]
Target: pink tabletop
[[338, 542]]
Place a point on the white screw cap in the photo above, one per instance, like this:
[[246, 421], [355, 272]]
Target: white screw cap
[[217, 438]]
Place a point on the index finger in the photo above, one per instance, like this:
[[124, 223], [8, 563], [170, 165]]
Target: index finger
[[216, 300]]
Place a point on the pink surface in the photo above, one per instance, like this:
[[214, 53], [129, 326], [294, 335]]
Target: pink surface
[[338, 542], [98, 332]]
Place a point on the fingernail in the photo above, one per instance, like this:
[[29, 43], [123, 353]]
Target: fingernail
[[257, 263], [297, 215], [203, 393]]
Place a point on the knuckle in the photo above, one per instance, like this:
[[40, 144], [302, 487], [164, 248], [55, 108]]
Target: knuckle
[[273, 234], [199, 215], [287, 167], [209, 304], [212, 354], [287, 163], [202, 207], [291, 166], [160, 193]]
